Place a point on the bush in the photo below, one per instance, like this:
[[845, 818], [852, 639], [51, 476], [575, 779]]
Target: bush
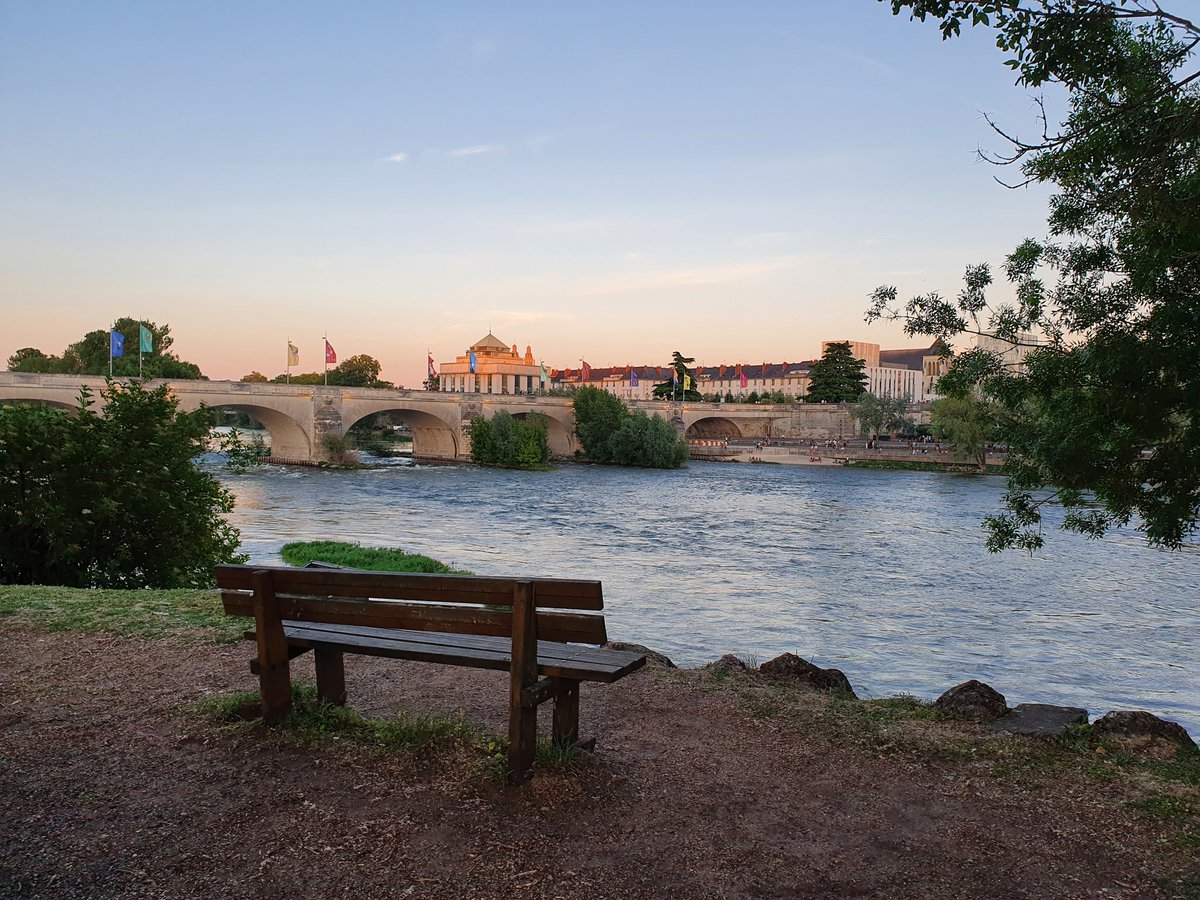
[[113, 501], [354, 556], [648, 443], [598, 416], [510, 443]]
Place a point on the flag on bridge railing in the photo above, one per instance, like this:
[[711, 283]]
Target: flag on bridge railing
[[586, 371], [633, 380], [687, 382], [145, 340], [293, 354], [432, 370], [116, 343], [543, 376], [472, 361], [330, 355]]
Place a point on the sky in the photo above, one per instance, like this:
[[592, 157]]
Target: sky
[[608, 182]]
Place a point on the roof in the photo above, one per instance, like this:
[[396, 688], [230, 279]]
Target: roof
[[490, 342], [908, 359]]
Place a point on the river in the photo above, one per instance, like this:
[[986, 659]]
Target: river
[[881, 574]]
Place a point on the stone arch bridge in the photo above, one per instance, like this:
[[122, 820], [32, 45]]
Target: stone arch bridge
[[298, 416]]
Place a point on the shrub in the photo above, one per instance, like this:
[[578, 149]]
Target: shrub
[[510, 443]]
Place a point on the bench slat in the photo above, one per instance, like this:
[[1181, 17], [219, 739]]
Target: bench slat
[[553, 626], [549, 593], [399, 645]]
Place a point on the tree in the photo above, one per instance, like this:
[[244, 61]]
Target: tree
[[1105, 409], [89, 355], [509, 442], [876, 415], [112, 500], [648, 442], [970, 423], [838, 376], [598, 416], [682, 383], [255, 377], [357, 371]]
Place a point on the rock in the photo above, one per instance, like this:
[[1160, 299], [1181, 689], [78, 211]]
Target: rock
[[791, 667], [973, 700], [653, 657], [1142, 731], [727, 664], [1041, 719]]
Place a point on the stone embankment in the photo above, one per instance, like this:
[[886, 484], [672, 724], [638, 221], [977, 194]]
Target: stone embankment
[[1132, 730]]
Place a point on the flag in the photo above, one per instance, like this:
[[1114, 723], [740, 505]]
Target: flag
[[432, 370], [146, 340], [675, 376], [743, 379], [293, 355], [543, 374], [586, 371], [330, 355], [116, 343], [687, 382], [473, 361], [633, 378]]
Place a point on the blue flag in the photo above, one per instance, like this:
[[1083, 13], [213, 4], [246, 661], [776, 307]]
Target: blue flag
[[474, 361], [633, 382], [116, 343]]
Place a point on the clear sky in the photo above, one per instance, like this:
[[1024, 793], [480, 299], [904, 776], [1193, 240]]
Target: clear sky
[[609, 181]]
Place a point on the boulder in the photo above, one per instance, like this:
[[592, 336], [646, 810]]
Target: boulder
[[1041, 719], [653, 657], [973, 700], [790, 667], [1142, 731], [727, 664]]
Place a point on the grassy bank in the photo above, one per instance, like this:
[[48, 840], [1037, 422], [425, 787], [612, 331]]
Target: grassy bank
[[355, 556], [922, 466]]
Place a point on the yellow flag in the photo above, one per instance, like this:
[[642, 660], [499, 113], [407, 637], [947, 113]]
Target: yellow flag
[[687, 382], [293, 355]]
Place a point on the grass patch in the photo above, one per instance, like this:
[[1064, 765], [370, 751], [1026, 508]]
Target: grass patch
[[312, 722], [145, 613], [922, 466], [355, 556]]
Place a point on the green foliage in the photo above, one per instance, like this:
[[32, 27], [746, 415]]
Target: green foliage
[[355, 556], [969, 423], [682, 385], [510, 443], [598, 416], [339, 449], [89, 355], [881, 415], [141, 613], [240, 455], [837, 377], [360, 370], [313, 722], [611, 434], [113, 500], [647, 442], [1106, 407], [255, 377]]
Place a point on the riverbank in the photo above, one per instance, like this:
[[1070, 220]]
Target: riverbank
[[119, 780]]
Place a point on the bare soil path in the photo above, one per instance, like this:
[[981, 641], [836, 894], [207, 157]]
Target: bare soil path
[[113, 786]]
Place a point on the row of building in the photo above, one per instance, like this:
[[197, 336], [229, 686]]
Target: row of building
[[492, 367]]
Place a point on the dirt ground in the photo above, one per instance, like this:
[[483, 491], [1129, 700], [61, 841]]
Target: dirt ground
[[113, 785]]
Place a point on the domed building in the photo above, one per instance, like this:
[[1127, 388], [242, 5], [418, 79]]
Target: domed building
[[497, 369]]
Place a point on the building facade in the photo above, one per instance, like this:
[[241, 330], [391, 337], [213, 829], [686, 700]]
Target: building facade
[[498, 369]]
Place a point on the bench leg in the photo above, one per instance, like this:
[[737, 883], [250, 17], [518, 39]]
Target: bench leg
[[522, 719], [566, 713], [331, 676], [274, 677]]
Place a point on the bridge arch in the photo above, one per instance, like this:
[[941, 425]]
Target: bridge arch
[[29, 401], [433, 437], [289, 440], [559, 436], [714, 428]]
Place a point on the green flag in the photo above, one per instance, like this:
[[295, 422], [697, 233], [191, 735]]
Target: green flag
[[145, 340]]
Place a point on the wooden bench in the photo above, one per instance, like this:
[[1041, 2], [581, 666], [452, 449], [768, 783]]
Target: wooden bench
[[545, 632]]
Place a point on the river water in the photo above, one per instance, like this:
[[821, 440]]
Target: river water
[[881, 574]]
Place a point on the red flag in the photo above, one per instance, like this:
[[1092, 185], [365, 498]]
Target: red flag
[[743, 378], [330, 356], [587, 371], [432, 370]]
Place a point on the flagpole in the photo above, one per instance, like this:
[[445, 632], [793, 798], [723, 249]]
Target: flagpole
[[325, 338], [110, 340], [288, 367], [139, 350]]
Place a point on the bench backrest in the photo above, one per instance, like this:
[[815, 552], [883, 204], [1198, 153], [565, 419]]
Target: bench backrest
[[567, 610]]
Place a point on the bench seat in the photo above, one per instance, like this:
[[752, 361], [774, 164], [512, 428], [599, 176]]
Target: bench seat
[[554, 659]]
